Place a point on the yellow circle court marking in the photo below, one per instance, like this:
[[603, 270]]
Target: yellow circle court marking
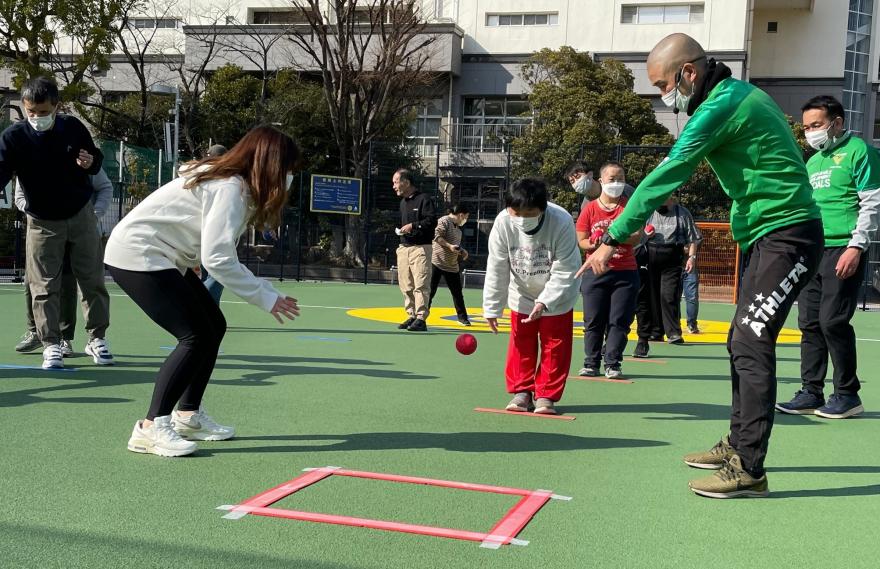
[[713, 331]]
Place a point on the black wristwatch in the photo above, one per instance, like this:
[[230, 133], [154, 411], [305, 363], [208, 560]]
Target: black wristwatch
[[607, 239]]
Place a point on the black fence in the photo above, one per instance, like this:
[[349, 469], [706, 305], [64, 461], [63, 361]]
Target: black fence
[[311, 245]]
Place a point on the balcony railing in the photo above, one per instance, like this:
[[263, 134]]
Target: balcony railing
[[485, 137]]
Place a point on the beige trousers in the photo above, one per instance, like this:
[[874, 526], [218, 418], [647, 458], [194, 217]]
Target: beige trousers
[[414, 277]]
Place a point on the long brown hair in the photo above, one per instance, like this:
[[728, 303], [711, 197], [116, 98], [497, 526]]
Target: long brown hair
[[263, 157]]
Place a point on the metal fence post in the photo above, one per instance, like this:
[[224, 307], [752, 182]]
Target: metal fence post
[[299, 216], [507, 173], [281, 234], [367, 192]]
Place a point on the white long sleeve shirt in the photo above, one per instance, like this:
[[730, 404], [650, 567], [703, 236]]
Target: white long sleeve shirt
[[175, 228], [524, 269]]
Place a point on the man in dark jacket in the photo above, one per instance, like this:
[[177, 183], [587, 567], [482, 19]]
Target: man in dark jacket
[[418, 219], [53, 156]]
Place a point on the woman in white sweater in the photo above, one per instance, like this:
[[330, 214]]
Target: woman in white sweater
[[198, 218]]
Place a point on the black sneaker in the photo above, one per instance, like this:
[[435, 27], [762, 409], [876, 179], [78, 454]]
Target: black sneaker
[[642, 348], [406, 323], [675, 340], [418, 325], [841, 407], [464, 321], [803, 403]]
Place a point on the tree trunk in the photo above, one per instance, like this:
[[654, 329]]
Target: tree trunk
[[355, 244]]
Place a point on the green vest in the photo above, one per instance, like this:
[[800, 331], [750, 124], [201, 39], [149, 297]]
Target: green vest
[[838, 175]]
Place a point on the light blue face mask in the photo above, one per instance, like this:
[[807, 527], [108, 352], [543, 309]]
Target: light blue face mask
[[42, 124], [288, 181]]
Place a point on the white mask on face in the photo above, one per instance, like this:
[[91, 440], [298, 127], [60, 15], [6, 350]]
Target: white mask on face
[[818, 139], [582, 184], [42, 124], [526, 224], [613, 189], [669, 98]]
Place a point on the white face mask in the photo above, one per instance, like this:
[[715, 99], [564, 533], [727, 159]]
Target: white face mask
[[526, 224], [669, 98], [613, 189], [674, 98], [582, 184], [818, 139], [42, 124], [288, 181]]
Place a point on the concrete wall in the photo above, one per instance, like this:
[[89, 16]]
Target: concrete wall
[[808, 44]]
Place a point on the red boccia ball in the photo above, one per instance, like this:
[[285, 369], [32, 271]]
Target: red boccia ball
[[466, 344], [649, 229]]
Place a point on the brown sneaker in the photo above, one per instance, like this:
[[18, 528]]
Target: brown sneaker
[[544, 406], [713, 458], [521, 402], [731, 482]]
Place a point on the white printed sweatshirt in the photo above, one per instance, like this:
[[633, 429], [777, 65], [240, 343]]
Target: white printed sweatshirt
[[175, 228], [525, 269]]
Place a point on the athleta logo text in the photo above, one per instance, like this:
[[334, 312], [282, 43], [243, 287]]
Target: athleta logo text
[[765, 307]]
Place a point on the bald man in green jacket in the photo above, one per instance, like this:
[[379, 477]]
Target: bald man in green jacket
[[747, 141]]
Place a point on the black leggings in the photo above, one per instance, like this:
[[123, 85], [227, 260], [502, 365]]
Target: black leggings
[[182, 306], [453, 281]]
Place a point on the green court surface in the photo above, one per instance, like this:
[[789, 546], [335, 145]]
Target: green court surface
[[332, 389]]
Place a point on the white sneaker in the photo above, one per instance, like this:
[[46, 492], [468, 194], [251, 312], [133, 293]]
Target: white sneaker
[[159, 438], [99, 349], [52, 357], [200, 427], [66, 348], [613, 373]]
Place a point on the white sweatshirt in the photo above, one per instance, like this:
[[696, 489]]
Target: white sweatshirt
[[175, 228], [525, 269]]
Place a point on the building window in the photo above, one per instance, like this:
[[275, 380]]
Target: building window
[[662, 14], [294, 16], [855, 68], [536, 19], [153, 23], [772, 27], [364, 15], [424, 132], [489, 122]]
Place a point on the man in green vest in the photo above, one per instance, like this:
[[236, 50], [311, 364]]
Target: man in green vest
[[845, 175], [747, 141]]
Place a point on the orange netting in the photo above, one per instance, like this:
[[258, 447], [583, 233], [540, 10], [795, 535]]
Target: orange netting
[[718, 263]]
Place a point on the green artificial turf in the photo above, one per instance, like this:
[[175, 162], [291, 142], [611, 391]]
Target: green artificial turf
[[331, 389]]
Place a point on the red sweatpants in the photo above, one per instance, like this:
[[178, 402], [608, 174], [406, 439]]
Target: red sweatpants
[[546, 378]]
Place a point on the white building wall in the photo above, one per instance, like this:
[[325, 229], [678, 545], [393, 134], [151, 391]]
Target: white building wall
[[808, 43]]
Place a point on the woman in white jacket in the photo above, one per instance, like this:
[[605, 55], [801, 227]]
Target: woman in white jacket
[[198, 218]]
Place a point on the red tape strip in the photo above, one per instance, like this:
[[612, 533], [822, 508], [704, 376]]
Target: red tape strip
[[366, 523], [433, 482], [599, 379], [522, 414], [521, 514]]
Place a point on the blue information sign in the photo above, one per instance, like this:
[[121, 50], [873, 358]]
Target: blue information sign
[[336, 194]]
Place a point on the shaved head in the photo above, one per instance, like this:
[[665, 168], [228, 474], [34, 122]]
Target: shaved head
[[673, 51]]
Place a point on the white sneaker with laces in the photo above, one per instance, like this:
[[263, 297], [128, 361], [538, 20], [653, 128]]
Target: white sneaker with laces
[[613, 373], [53, 357], [159, 438], [99, 349], [66, 348], [200, 427]]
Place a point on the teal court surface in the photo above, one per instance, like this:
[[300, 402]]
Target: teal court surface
[[343, 387]]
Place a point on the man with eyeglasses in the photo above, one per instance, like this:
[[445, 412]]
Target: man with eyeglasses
[[746, 139], [845, 175]]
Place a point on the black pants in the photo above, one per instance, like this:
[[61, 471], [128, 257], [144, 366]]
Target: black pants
[[453, 281], [778, 266], [609, 306], [825, 307], [182, 306], [659, 304]]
